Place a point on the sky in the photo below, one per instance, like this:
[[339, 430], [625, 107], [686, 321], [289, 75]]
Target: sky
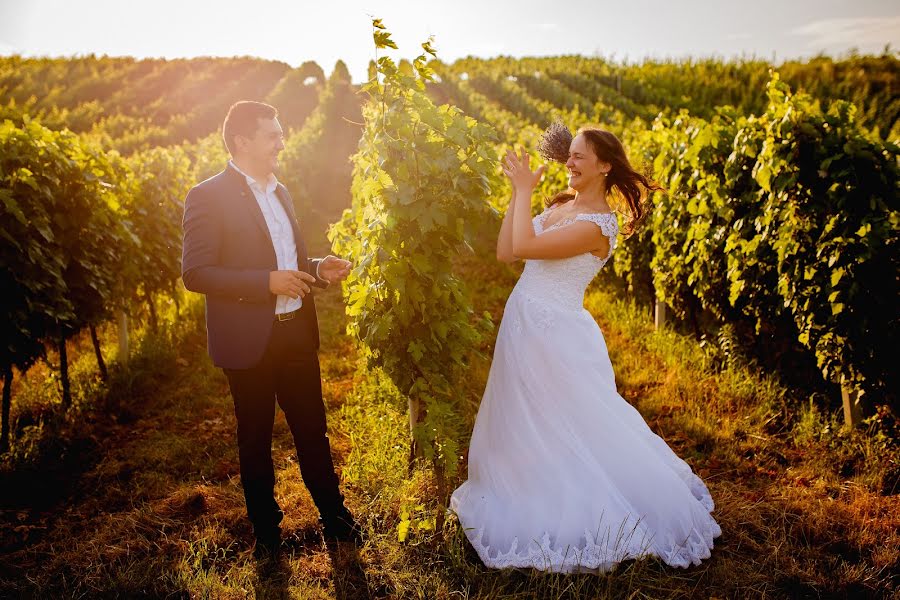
[[294, 31]]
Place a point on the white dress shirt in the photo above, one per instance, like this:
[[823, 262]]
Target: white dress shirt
[[280, 229]]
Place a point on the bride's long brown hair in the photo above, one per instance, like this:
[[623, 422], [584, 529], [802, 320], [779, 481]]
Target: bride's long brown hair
[[622, 179]]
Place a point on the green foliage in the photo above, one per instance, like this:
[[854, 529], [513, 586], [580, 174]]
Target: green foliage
[[634, 253], [160, 180], [792, 217], [691, 222], [84, 233], [832, 218], [63, 237], [421, 179], [208, 155]]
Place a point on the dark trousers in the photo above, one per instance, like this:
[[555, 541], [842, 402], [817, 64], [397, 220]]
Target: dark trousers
[[288, 373]]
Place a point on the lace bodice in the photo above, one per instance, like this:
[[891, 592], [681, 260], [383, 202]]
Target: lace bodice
[[563, 281]]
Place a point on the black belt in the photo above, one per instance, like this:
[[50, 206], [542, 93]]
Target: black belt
[[286, 316]]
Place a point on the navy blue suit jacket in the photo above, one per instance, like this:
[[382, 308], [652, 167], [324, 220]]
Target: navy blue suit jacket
[[227, 255]]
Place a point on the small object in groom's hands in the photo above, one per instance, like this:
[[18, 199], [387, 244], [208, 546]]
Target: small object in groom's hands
[[290, 283]]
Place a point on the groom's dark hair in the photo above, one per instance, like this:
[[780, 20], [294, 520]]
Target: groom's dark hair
[[243, 119]]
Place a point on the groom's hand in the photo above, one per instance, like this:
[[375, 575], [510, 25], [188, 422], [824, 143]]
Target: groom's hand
[[290, 283], [333, 269]]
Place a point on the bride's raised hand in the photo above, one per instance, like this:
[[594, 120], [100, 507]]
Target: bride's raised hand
[[518, 170]]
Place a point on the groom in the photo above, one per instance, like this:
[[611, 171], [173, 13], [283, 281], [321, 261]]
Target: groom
[[243, 249]]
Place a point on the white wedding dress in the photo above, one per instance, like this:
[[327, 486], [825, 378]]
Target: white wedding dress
[[564, 474]]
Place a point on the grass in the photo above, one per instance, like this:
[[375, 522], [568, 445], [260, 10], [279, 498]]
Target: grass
[[148, 501]]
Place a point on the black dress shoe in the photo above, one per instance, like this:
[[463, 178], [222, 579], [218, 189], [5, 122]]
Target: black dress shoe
[[268, 544], [341, 527]]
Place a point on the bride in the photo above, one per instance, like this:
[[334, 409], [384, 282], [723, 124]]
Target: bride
[[564, 474]]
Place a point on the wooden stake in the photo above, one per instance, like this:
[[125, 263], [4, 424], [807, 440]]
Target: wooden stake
[[101, 364], [850, 398], [123, 338], [659, 313], [414, 414]]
